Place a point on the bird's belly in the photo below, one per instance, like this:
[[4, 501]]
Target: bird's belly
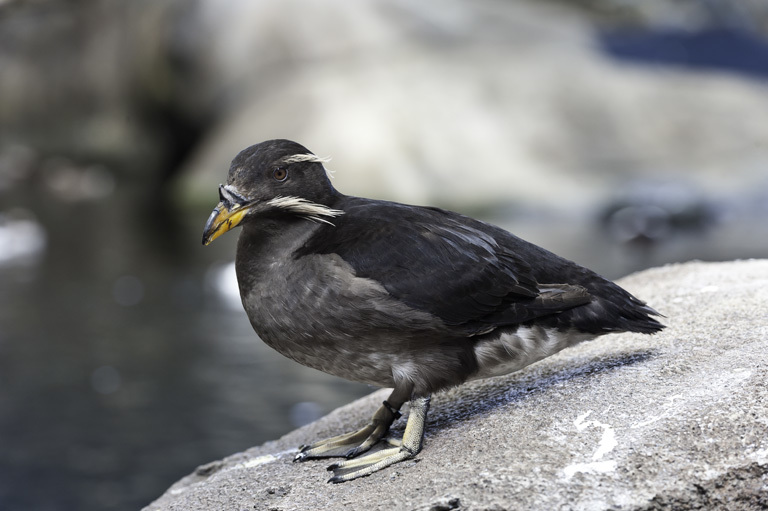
[[355, 343], [335, 358], [321, 315], [512, 351]]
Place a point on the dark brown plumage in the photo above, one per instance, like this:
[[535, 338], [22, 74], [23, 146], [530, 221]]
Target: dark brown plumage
[[417, 299]]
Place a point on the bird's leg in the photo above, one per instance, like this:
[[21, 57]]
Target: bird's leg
[[407, 448], [357, 442]]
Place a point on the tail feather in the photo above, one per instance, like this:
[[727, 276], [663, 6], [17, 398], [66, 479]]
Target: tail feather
[[611, 309], [638, 317], [621, 312]]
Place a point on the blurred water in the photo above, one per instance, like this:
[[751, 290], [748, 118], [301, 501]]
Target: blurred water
[[126, 359], [122, 368]]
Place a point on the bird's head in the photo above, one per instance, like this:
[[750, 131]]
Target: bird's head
[[276, 177]]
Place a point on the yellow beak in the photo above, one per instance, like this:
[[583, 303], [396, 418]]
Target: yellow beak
[[221, 220]]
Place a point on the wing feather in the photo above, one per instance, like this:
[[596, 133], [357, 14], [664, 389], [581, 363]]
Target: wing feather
[[443, 263]]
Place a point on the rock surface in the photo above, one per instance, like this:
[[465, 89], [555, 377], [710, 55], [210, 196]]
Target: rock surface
[[674, 421]]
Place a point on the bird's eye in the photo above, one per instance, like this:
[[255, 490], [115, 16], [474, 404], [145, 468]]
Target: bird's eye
[[280, 174]]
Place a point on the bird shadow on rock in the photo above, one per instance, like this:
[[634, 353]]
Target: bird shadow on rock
[[472, 401]]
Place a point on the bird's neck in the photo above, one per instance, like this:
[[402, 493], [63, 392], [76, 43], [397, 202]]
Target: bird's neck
[[266, 242]]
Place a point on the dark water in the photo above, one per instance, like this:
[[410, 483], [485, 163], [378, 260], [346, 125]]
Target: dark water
[[126, 359], [123, 366]]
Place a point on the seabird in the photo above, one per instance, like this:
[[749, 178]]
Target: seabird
[[417, 299]]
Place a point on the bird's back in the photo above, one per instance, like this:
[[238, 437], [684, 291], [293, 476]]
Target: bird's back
[[471, 274]]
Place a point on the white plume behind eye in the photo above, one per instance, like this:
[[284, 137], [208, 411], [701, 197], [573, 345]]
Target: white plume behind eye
[[308, 157], [308, 209], [297, 158]]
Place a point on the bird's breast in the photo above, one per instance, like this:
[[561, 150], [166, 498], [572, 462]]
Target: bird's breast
[[316, 311]]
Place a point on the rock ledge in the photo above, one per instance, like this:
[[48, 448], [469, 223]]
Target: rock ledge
[[677, 421]]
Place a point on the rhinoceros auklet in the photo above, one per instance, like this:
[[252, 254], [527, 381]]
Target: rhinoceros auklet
[[418, 299]]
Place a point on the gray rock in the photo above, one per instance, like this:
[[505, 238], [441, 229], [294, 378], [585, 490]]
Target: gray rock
[[674, 421], [465, 103]]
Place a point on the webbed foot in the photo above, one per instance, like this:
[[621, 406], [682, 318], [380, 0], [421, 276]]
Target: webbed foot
[[407, 448], [351, 444]]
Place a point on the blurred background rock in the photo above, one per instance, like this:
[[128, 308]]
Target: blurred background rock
[[620, 133]]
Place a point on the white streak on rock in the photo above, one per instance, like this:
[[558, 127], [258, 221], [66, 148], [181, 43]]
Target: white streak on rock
[[760, 456], [607, 444], [261, 460], [596, 467]]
